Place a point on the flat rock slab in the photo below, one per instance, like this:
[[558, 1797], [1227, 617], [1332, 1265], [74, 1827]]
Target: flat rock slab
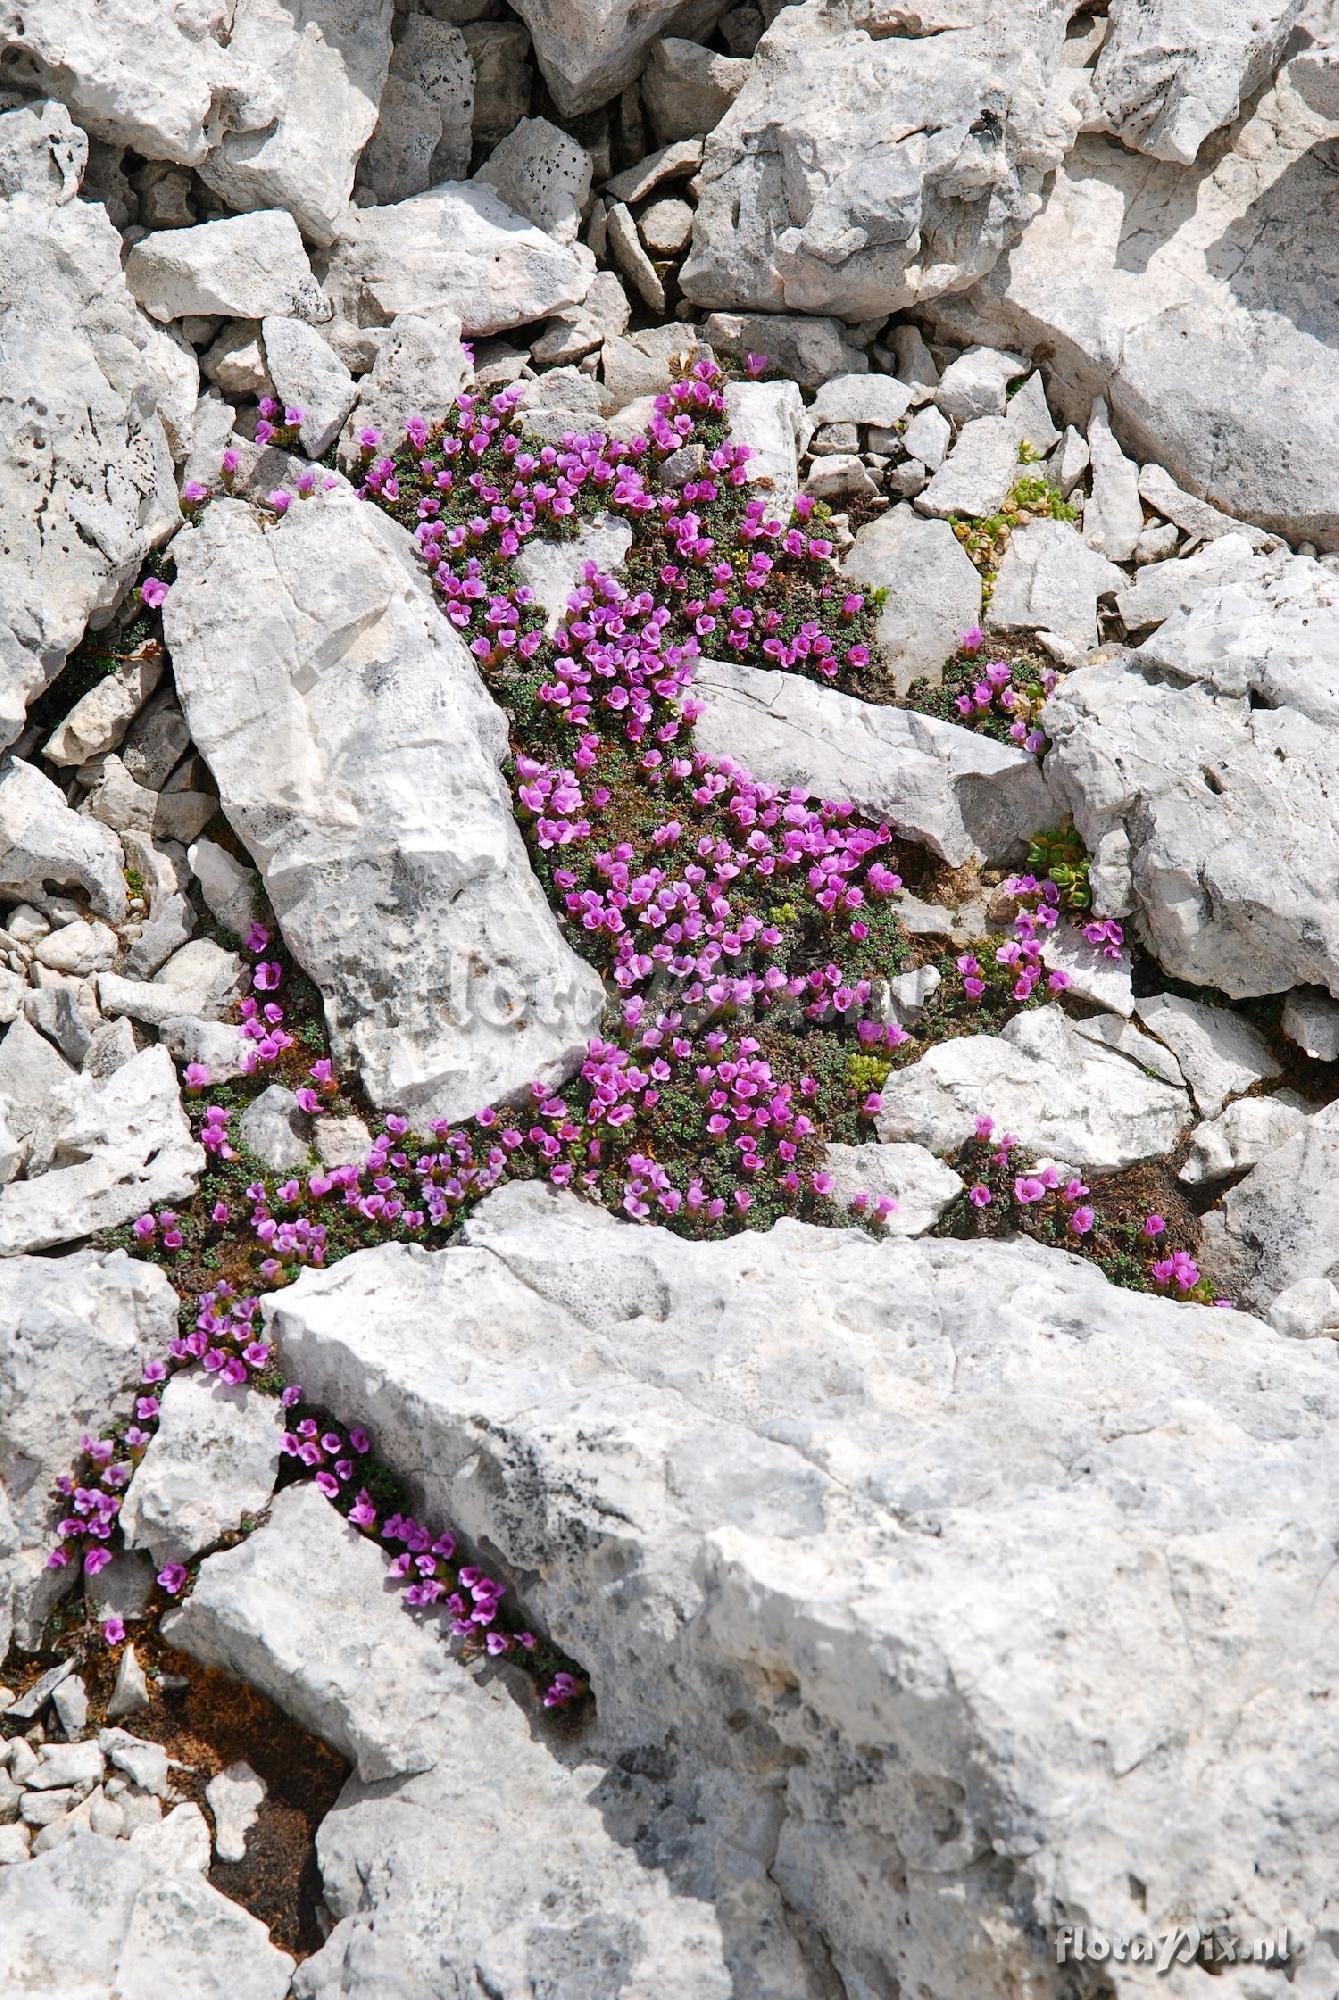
[[809, 1508], [357, 755], [1083, 1098], [965, 796]]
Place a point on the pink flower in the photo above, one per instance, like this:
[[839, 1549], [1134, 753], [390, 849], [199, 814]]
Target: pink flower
[[979, 1196], [113, 1631], [173, 1578], [1153, 1225], [197, 1076], [1027, 1189], [154, 592], [1081, 1221]]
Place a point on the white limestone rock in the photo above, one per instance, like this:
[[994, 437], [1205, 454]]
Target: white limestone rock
[[1050, 580], [806, 348], [978, 472], [213, 1460], [847, 176], [228, 886], [1219, 1054], [302, 1610], [1268, 627], [1091, 974], [934, 591], [425, 115], [1217, 345], [45, 848], [99, 720], [1160, 590], [588, 50], [861, 398], [553, 570], [920, 1186], [1066, 1096], [977, 383], [376, 813], [1211, 822], [234, 1795], [201, 978], [125, 1146], [805, 1506], [89, 487], [1274, 1237], [456, 247], [1172, 72], [420, 370], [134, 73], [309, 375], [964, 795], [277, 1130], [558, 1898], [328, 60], [1240, 1136], [102, 1917], [1113, 518], [1311, 1020], [770, 418], [243, 267], [543, 174], [75, 1333]]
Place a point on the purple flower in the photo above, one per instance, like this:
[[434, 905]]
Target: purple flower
[[1027, 1189], [1081, 1221], [979, 1196], [1154, 1225], [173, 1578], [113, 1631], [154, 592]]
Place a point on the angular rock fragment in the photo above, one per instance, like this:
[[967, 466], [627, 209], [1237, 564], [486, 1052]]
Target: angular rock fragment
[[964, 795], [375, 811]]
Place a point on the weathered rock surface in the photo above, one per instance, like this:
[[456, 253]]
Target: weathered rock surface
[[458, 247], [46, 848], [125, 1146], [869, 1547], [341, 1653], [1172, 72], [75, 1333], [425, 113], [104, 1917], [850, 175], [1077, 1092], [1050, 581], [137, 74], [1242, 1134], [328, 61], [374, 808], [212, 1460], [920, 1185], [1214, 342], [1267, 626], [964, 795], [543, 174], [243, 267], [1210, 820], [1219, 1054], [934, 591], [588, 49], [1275, 1235], [88, 488]]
